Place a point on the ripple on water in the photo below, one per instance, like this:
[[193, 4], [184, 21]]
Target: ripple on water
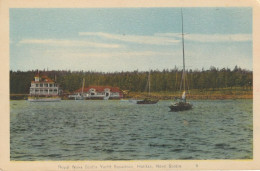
[[110, 130]]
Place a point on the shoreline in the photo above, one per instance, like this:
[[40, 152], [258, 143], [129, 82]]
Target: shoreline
[[200, 97], [197, 95], [205, 95]]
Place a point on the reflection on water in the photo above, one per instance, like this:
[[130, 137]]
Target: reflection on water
[[114, 130]]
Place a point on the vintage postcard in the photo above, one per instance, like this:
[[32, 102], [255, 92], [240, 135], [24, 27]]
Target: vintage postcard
[[97, 85]]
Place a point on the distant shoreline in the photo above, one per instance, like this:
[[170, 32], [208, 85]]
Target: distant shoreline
[[194, 95], [205, 95]]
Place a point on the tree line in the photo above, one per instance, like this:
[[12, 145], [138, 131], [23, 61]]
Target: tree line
[[136, 81]]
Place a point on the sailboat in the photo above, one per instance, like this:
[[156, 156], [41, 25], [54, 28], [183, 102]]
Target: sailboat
[[148, 100], [80, 96], [182, 104]]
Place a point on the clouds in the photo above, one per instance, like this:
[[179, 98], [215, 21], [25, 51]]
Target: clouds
[[219, 37], [115, 39], [171, 38], [158, 39], [210, 38], [139, 39], [68, 43], [104, 51]]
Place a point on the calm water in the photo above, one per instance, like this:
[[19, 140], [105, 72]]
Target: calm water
[[114, 130]]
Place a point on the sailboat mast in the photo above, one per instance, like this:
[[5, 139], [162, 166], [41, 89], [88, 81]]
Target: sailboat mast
[[83, 84], [149, 84], [183, 72]]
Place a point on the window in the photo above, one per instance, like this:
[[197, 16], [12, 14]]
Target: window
[[41, 85], [45, 85], [51, 85], [37, 85]]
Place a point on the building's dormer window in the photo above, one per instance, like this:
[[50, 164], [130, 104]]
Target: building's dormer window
[[37, 79]]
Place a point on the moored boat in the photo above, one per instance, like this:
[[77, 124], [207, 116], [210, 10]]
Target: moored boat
[[182, 104], [44, 99], [79, 95], [148, 100]]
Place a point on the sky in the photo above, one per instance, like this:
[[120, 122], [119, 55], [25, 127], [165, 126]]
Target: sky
[[127, 39]]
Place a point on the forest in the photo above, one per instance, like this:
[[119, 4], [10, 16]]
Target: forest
[[136, 81]]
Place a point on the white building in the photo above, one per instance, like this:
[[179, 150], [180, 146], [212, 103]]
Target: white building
[[98, 92], [43, 86]]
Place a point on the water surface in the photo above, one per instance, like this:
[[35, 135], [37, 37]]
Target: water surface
[[114, 130]]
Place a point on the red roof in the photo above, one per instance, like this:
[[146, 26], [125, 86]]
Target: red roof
[[99, 89], [43, 79], [46, 79]]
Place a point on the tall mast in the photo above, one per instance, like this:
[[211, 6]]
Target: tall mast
[[183, 72], [83, 82], [149, 84]]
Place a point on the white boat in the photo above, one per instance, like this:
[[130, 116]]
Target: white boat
[[76, 96], [79, 96], [43, 89], [43, 99]]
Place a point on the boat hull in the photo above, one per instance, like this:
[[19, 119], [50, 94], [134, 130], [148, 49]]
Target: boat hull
[[44, 99], [147, 102], [181, 106]]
